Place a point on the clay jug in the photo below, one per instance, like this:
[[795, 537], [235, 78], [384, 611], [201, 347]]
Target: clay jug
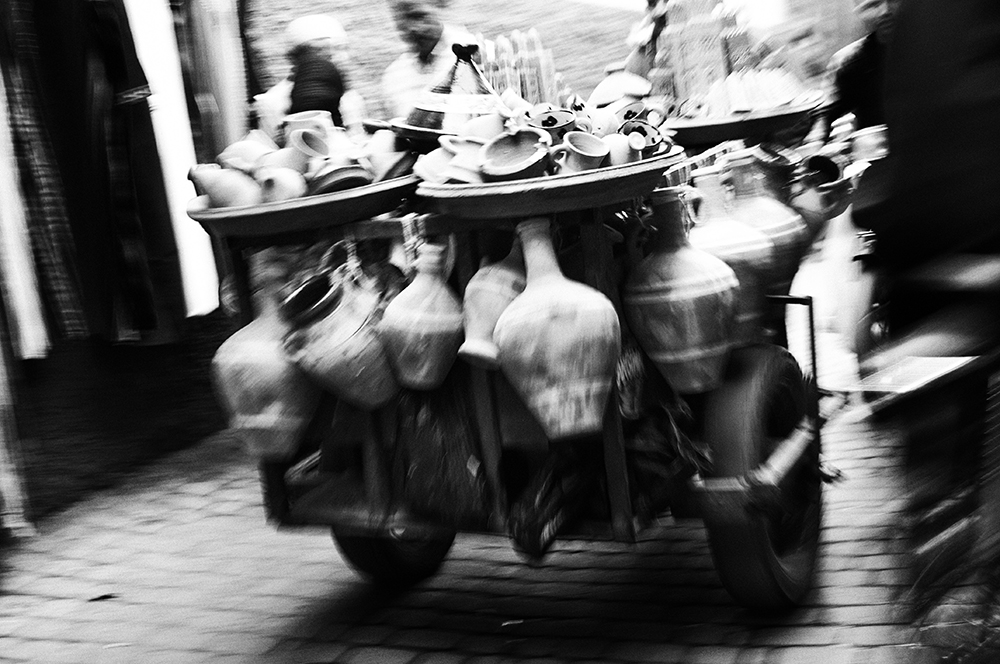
[[490, 290], [422, 327], [335, 341], [681, 302], [754, 205], [225, 187], [747, 250], [266, 398], [558, 342], [278, 183]]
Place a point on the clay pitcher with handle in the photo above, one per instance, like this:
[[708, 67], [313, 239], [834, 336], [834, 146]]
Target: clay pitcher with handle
[[334, 339], [489, 292], [267, 399], [558, 342], [422, 327]]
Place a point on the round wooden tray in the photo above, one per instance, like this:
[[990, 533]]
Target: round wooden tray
[[303, 214], [754, 126], [550, 194]]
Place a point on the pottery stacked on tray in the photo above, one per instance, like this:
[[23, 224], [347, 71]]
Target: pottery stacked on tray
[[316, 158]]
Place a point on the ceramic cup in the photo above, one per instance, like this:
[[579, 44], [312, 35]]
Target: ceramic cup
[[320, 121], [654, 140], [557, 122], [603, 121], [579, 151], [515, 154], [624, 149], [287, 157]]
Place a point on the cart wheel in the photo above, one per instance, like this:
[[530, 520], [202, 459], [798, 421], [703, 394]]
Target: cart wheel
[[765, 559], [391, 560]]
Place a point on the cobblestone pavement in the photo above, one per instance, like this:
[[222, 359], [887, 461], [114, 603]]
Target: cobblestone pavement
[[178, 565]]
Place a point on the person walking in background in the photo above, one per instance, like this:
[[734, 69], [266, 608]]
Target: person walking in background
[[317, 47], [943, 116], [856, 74], [429, 40]]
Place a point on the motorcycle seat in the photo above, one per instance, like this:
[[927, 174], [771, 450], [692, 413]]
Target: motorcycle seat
[[954, 274]]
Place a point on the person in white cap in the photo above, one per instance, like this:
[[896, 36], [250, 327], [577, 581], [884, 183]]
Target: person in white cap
[[317, 46]]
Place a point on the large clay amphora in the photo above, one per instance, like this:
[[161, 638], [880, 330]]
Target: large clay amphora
[[745, 249], [558, 342], [267, 399], [491, 289], [681, 302], [754, 205], [335, 341], [421, 328]]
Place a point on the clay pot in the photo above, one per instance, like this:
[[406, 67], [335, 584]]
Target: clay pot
[[753, 205], [334, 339], [267, 399], [278, 183], [680, 302], [558, 342], [745, 249], [244, 154], [225, 187], [422, 327], [516, 154], [489, 292]]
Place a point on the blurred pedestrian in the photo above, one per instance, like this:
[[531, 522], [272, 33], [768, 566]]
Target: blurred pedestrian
[[317, 48], [855, 76], [943, 116], [429, 40]]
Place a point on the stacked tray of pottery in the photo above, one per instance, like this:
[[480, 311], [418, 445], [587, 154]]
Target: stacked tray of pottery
[[315, 157]]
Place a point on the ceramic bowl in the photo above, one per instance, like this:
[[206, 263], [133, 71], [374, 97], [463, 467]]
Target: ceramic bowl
[[338, 178], [515, 155]]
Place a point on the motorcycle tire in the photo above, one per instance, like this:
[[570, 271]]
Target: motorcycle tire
[[765, 558]]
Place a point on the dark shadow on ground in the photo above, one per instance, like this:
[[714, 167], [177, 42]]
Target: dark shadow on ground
[[91, 412]]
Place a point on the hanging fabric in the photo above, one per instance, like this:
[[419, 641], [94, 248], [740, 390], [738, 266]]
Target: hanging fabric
[[126, 205], [156, 45], [18, 283], [48, 224]]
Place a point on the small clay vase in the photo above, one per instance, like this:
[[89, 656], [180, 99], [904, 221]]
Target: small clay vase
[[490, 290], [278, 183], [422, 326], [558, 342], [225, 187], [268, 401], [334, 339], [680, 302]]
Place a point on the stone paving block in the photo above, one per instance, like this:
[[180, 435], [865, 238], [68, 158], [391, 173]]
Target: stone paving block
[[646, 652], [440, 658], [376, 655], [423, 639], [813, 655], [878, 635], [711, 655]]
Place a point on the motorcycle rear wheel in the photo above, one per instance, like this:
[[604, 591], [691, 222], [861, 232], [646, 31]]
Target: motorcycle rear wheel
[[392, 560], [765, 558]]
